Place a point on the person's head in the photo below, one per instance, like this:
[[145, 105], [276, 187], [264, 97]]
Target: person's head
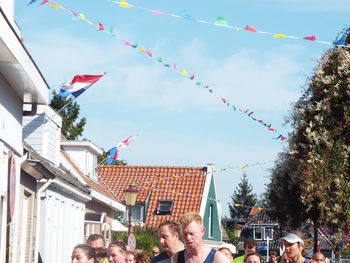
[[192, 229], [130, 257], [283, 258], [249, 246], [83, 254], [228, 250], [273, 256], [252, 258], [96, 241], [155, 251], [168, 235], [296, 244], [141, 257], [318, 257], [116, 252]]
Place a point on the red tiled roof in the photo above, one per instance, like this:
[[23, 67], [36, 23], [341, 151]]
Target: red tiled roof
[[119, 177], [97, 186]]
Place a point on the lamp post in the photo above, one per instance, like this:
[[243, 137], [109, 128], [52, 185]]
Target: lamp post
[[130, 200]]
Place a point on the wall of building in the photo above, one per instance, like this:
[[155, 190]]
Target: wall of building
[[62, 225]]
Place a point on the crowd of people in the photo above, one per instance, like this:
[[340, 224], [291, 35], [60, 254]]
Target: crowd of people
[[193, 250]]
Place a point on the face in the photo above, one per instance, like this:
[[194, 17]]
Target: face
[[98, 243], [318, 258], [273, 258], [115, 255], [167, 240], [193, 234], [293, 250], [284, 259], [253, 259], [79, 256], [227, 253], [248, 250], [129, 258]]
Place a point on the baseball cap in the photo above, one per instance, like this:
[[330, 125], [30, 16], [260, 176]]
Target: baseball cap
[[292, 238], [230, 247]]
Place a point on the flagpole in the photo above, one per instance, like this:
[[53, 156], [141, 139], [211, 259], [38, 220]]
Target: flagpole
[[57, 112]]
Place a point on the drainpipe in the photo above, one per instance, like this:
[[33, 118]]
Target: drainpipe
[[38, 211]]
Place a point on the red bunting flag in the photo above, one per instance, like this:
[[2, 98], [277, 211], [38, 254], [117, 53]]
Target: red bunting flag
[[312, 38], [101, 27], [192, 77], [249, 28]]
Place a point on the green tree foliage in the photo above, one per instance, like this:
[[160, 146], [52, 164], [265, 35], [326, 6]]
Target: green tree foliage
[[103, 156], [242, 195], [311, 179], [146, 238], [72, 128], [321, 140]]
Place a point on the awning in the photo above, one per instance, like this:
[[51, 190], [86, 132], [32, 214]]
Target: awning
[[118, 227]]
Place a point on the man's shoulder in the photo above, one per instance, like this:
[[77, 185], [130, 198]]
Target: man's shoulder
[[161, 258]]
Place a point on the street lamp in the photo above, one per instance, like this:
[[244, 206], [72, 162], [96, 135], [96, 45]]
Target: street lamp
[[130, 200]]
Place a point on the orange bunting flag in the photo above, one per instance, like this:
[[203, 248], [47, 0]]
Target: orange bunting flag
[[279, 35], [249, 28], [123, 3]]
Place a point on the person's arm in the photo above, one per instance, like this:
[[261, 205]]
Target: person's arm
[[220, 258]]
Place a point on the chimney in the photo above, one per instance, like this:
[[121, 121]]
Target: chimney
[[42, 131]]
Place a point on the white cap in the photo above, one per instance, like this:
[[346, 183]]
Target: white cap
[[292, 238], [230, 247]]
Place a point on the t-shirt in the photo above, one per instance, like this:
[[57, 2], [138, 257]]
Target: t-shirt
[[161, 258], [239, 259]]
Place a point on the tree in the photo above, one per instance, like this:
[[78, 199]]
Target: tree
[[242, 195], [103, 156], [72, 128], [321, 140]]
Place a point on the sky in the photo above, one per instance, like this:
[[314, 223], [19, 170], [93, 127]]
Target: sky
[[179, 123]]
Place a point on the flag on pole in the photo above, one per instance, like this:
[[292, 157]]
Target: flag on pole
[[114, 152], [78, 85]]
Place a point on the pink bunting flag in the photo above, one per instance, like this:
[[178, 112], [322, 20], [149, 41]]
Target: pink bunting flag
[[312, 38], [128, 43], [101, 27], [44, 2], [175, 67], [149, 53], [249, 28], [223, 100], [156, 12]]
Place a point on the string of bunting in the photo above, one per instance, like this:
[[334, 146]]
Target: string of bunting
[[222, 22], [173, 66], [242, 167]]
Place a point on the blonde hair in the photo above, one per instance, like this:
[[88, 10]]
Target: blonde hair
[[119, 245], [188, 218], [307, 241]]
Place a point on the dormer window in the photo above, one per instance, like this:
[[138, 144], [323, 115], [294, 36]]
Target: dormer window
[[164, 207]]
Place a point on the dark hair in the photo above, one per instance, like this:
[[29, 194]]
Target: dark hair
[[252, 254], [89, 251], [273, 253], [173, 227], [249, 243], [141, 257], [94, 237]]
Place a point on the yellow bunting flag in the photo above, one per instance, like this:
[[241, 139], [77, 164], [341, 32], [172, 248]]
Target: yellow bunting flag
[[123, 3], [142, 49], [184, 73], [56, 6], [84, 18], [279, 35]]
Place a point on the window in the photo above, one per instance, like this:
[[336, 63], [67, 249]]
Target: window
[[164, 207], [258, 231], [268, 233], [210, 223], [136, 214]]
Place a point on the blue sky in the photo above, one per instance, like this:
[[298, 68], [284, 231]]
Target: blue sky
[[177, 122]]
